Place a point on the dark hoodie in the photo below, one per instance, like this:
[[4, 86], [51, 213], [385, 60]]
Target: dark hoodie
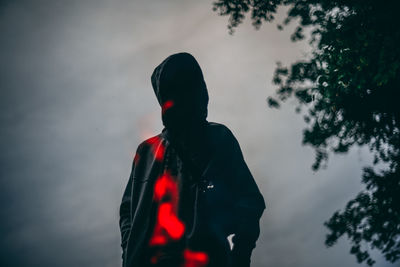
[[181, 92], [217, 193]]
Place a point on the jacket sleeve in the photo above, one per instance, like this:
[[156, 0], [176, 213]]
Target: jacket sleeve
[[249, 207], [125, 208]]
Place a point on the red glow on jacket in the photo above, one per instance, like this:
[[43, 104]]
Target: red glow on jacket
[[157, 147], [136, 158], [167, 104], [194, 258], [168, 226]]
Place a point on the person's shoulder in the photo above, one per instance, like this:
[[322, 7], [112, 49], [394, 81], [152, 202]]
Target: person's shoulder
[[150, 141], [219, 127], [220, 131], [216, 126]]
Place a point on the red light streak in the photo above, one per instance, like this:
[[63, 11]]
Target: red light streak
[[157, 146], [136, 158], [194, 258], [167, 105], [168, 226]]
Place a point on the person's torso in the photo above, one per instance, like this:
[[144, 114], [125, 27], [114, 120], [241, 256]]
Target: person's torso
[[201, 206]]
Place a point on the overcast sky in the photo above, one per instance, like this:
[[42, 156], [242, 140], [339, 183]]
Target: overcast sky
[[76, 100]]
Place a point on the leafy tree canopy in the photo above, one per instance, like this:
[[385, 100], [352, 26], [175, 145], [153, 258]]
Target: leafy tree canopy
[[349, 89]]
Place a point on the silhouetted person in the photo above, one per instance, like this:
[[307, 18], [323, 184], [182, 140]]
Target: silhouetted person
[[189, 186]]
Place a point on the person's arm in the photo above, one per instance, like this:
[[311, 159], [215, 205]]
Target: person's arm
[[125, 208], [125, 214], [249, 207]]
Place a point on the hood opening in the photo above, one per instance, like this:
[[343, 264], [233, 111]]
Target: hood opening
[[181, 91]]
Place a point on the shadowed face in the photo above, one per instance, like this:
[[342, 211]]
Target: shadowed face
[[181, 91]]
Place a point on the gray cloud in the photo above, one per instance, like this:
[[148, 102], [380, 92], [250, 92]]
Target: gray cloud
[[76, 100]]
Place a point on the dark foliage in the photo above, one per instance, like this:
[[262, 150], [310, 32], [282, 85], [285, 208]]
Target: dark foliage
[[349, 88]]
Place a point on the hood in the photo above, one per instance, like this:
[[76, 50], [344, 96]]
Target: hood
[[181, 92]]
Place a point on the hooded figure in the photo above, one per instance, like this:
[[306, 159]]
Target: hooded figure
[[189, 187]]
